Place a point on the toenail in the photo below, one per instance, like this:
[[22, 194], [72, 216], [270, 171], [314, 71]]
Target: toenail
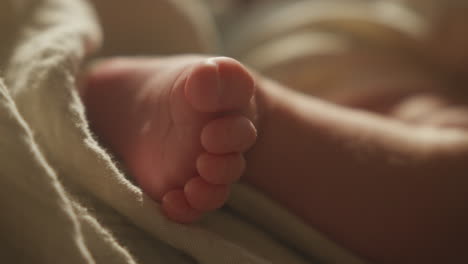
[[212, 61], [219, 87], [246, 133]]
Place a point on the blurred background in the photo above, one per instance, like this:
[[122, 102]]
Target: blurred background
[[328, 48]]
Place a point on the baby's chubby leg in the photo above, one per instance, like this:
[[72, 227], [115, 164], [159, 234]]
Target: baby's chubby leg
[[390, 190], [180, 125]]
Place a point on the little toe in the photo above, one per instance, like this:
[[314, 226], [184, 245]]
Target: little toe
[[204, 196], [228, 134], [219, 84], [176, 207], [221, 169]]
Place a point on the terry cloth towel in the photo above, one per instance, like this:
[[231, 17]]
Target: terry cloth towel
[[63, 198]]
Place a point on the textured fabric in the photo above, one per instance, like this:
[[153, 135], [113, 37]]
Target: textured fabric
[[61, 186], [63, 197]]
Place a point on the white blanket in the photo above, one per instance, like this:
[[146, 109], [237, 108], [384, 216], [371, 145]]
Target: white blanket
[[64, 200]]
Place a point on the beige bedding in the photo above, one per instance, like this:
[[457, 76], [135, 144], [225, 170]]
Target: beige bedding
[[63, 198]]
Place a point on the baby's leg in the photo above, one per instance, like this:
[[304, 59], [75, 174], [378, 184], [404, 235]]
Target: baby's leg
[[180, 125], [392, 191]]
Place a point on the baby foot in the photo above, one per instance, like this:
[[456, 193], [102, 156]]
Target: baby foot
[[180, 125]]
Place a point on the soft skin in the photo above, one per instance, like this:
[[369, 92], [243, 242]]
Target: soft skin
[[390, 186]]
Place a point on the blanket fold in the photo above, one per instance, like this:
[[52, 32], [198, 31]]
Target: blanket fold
[[38, 219], [65, 199]]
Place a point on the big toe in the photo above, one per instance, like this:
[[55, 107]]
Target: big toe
[[219, 84]]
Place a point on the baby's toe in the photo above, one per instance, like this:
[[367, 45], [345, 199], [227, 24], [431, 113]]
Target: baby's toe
[[204, 196], [219, 84], [176, 207], [221, 169], [230, 134]]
